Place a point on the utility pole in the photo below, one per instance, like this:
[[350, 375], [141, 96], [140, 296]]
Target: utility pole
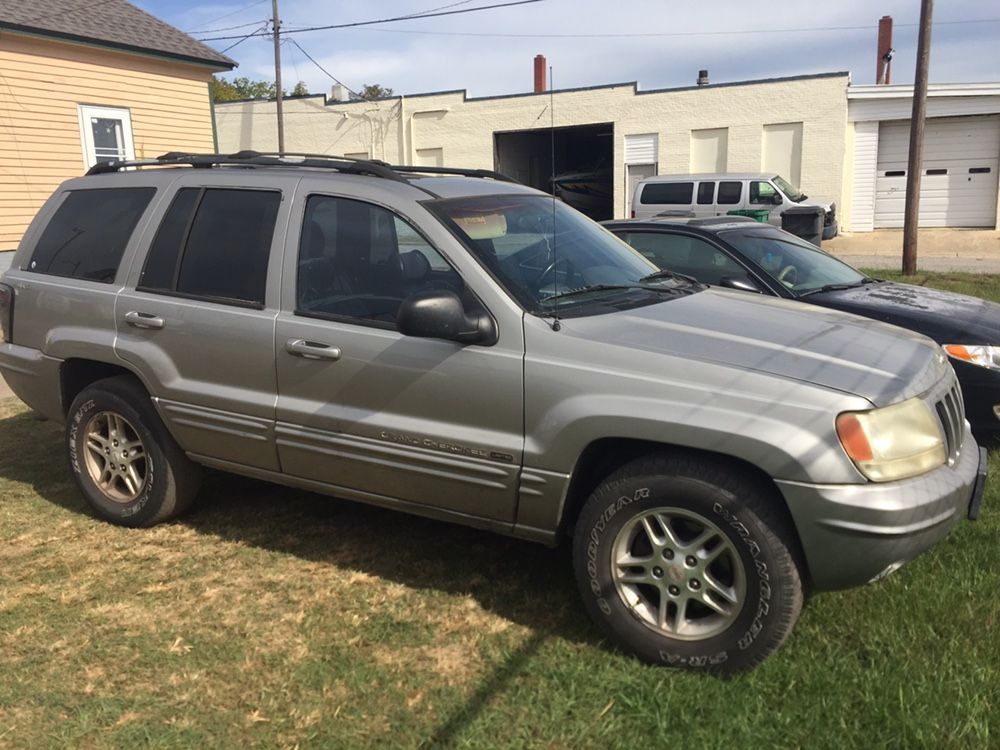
[[911, 213], [276, 23]]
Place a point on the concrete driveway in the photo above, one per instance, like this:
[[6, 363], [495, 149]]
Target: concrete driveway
[[973, 250], [5, 259]]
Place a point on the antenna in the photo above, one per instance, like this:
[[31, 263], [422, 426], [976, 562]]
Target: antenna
[[556, 325]]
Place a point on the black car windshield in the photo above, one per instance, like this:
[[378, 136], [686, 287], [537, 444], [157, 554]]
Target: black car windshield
[[793, 262], [548, 255], [791, 192]]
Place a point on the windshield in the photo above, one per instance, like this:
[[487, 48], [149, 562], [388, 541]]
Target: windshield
[[791, 192], [548, 255], [795, 263]]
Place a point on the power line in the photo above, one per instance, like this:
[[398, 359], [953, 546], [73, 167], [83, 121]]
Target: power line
[[227, 28], [327, 72], [243, 39], [230, 13], [654, 34], [391, 20]]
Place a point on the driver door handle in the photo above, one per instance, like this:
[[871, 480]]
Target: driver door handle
[[312, 349], [143, 320]]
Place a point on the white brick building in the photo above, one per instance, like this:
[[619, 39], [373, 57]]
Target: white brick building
[[816, 130]]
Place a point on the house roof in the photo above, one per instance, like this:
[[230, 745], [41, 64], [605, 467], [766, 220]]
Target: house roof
[[108, 23]]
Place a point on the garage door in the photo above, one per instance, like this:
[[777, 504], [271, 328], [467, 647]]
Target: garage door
[[958, 187]]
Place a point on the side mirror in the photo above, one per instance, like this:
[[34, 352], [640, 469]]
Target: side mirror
[[777, 199], [439, 314], [744, 284]]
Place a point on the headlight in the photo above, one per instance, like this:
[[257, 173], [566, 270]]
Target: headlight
[[894, 442], [984, 356]]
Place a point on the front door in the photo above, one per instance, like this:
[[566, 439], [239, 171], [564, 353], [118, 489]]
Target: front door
[[364, 408]]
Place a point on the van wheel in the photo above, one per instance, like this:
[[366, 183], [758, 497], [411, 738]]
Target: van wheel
[[128, 467], [686, 562]]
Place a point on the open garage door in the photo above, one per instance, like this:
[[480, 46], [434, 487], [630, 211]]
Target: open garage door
[[584, 157], [958, 187]]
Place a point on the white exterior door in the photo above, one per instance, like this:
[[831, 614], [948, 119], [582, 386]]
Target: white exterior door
[[958, 187]]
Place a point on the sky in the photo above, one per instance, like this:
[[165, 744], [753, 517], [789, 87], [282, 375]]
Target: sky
[[488, 52]]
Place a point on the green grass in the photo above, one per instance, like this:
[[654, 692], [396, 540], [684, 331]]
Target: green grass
[[275, 618], [985, 285]]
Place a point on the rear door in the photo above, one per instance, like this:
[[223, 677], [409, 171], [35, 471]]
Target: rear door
[[704, 196], [197, 320], [382, 416]]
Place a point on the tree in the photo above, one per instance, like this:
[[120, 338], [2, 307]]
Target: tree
[[245, 88], [375, 91]]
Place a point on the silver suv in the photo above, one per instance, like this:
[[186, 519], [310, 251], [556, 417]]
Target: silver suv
[[465, 348]]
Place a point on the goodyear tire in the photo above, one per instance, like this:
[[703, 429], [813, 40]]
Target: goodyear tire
[[128, 467], [685, 561]]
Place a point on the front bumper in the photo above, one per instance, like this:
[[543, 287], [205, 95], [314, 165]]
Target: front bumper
[[852, 534]]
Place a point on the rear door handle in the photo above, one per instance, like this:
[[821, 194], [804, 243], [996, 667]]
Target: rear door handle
[[312, 349], [143, 320]]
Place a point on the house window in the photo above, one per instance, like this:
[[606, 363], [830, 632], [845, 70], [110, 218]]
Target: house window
[[106, 133]]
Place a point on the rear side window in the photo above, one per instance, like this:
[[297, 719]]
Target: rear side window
[[671, 193], [730, 193], [706, 193], [214, 244], [87, 236]]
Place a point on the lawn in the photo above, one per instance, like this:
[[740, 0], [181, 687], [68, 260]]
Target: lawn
[[275, 618]]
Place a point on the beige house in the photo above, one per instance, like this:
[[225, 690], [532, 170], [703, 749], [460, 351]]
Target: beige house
[[82, 82], [792, 126]]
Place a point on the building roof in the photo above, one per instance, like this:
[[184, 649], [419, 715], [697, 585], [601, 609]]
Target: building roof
[[108, 23]]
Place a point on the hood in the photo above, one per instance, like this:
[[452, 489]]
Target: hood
[[878, 362], [946, 317]]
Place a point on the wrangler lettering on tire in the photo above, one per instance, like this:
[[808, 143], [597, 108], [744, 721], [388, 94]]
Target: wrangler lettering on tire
[[685, 562]]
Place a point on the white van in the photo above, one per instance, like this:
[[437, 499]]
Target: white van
[[718, 194]]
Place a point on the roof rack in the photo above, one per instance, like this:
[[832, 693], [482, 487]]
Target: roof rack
[[346, 165], [250, 159]]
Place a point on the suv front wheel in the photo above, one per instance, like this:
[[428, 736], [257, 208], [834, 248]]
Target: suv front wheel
[[128, 467], [686, 562]]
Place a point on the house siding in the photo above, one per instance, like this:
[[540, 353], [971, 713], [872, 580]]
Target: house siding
[[42, 84]]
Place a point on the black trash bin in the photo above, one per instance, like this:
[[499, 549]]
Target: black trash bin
[[805, 222]]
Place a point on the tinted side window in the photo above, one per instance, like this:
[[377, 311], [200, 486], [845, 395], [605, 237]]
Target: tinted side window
[[667, 192], [685, 254], [87, 235], [359, 261], [730, 193], [222, 253], [161, 263], [706, 193]]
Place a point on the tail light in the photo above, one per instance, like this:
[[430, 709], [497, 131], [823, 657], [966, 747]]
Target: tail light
[[632, 212], [6, 312]]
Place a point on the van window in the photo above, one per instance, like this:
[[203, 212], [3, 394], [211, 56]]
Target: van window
[[88, 233], [670, 193], [730, 193], [706, 193], [762, 192]]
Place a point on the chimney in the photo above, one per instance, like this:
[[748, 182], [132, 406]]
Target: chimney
[[540, 85], [339, 93], [702, 78], [883, 63]]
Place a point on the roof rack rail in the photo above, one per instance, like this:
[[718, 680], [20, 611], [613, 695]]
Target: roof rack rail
[[250, 159], [484, 173]]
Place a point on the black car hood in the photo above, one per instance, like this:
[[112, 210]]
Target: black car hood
[[946, 317]]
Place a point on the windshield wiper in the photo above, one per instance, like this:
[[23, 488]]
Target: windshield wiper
[[588, 288], [836, 287], [665, 274]]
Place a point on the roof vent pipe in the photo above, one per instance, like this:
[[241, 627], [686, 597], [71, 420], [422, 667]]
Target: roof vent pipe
[[702, 78]]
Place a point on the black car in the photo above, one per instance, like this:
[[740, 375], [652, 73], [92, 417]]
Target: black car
[[743, 254]]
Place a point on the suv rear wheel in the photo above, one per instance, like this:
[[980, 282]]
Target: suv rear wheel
[[128, 467], [686, 562]]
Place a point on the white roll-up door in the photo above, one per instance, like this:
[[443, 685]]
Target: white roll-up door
[[958, 187]]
